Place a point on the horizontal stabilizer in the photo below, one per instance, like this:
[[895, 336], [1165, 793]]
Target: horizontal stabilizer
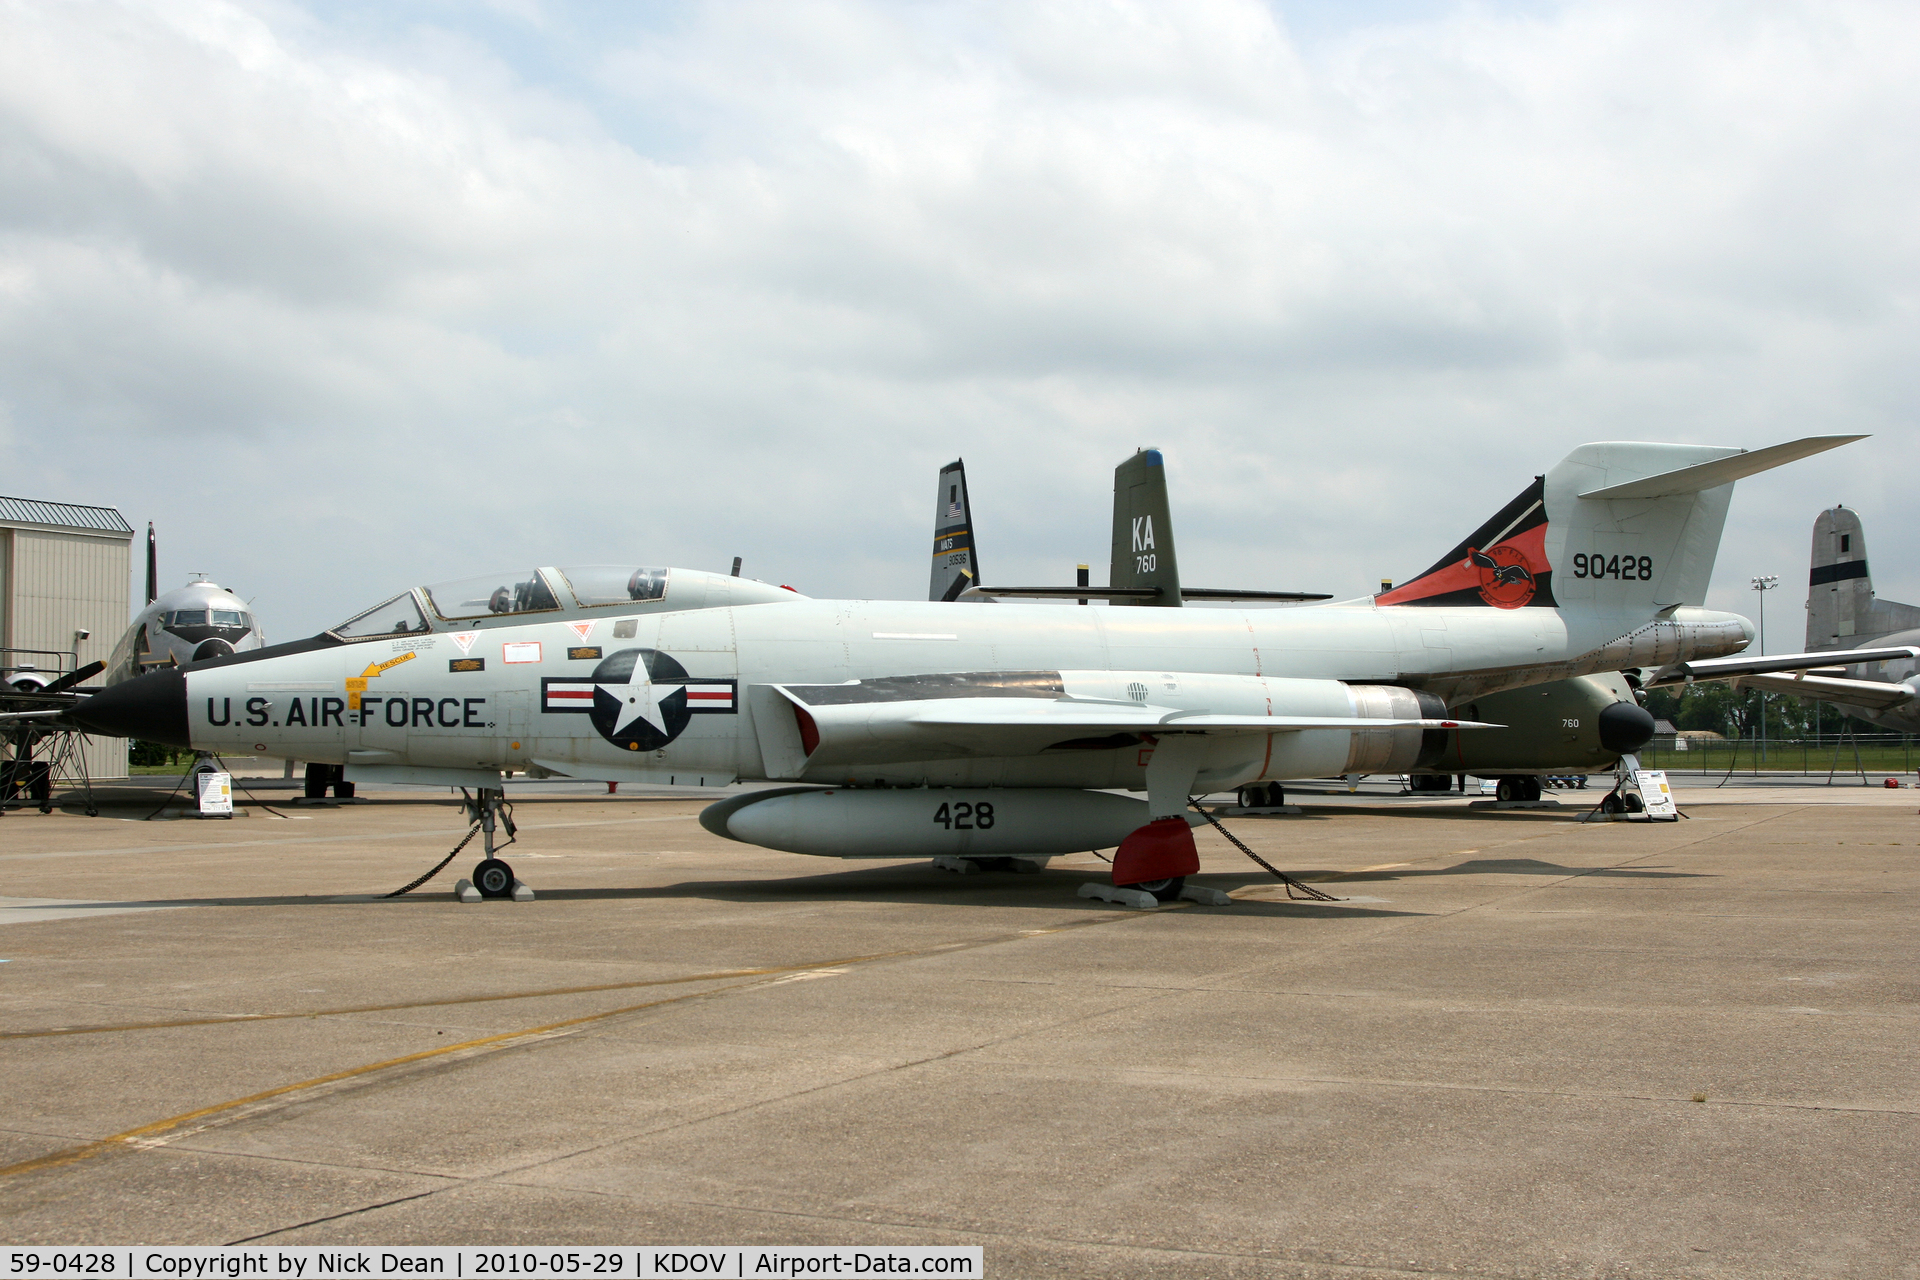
[[1711, 475], [1134, 593], [1061, 593], [1726, 668], [1874, 695], [1235, 593]]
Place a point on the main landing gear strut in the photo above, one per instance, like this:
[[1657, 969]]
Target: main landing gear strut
[[1152, 864]]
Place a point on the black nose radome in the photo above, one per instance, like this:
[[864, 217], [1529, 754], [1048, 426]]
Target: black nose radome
[[1625, 727], [214, 648], [152, 708]]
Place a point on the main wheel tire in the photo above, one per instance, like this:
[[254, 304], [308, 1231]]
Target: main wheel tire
[[493, 878], [1505, 788], [1530, 788], [1164, 890]]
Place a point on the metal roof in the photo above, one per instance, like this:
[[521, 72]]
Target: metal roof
[[65, 515]]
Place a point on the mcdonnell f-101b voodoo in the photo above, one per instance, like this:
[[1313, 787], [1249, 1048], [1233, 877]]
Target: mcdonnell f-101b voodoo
[[922, 729]]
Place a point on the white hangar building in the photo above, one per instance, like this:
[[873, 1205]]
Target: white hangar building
[[63, 595]]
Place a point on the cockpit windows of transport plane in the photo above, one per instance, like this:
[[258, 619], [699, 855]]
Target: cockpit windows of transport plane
[[398, 616], [174, 619], [492, 595], [599, 585]]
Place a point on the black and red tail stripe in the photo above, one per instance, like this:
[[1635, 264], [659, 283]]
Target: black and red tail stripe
[[1502, 564]]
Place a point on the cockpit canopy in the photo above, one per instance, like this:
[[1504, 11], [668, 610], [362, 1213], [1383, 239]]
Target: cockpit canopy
[[470, 601]]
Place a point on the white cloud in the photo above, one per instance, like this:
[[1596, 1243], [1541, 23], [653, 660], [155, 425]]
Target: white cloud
[[350, 299]]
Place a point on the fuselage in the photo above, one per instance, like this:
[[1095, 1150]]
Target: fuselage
[[526, 695]]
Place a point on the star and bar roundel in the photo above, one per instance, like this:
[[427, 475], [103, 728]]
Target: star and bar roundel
[[638, 699]]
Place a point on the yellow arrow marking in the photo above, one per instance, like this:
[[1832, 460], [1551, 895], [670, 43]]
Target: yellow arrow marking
[[357, 685]]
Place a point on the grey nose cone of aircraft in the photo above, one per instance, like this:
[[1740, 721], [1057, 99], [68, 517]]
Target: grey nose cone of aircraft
[[1625, 727], [152, 708]]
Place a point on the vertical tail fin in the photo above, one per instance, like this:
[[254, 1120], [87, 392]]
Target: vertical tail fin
[[1618, 528], [954, 566], [1842, 611], [1143, 553]]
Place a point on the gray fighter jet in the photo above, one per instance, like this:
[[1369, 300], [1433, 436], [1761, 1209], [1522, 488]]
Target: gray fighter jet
[[915, 729]]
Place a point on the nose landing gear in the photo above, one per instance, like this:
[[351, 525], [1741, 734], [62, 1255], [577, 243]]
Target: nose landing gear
[[492, 878]]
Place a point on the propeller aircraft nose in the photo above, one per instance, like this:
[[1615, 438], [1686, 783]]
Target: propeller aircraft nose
[[152, 708]]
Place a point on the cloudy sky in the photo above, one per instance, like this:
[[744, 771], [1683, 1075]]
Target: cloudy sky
[[353, 296]]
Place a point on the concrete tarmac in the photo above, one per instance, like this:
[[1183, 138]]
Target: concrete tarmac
[[1519, 1045]]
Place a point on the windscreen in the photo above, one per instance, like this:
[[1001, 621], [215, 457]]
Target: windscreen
[[492, 595], [397, 616], [605, 584]]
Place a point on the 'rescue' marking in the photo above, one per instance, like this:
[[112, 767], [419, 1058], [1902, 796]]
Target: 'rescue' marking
[[357, 685]]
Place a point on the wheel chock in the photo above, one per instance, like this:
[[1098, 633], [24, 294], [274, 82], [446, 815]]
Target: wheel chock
[[521, 893], [1204, 896], [465, 892], [1025, 866], [959, 866], [1113, 893]]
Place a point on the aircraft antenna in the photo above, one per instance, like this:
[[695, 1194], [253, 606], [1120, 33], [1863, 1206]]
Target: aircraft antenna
[[153, 566]]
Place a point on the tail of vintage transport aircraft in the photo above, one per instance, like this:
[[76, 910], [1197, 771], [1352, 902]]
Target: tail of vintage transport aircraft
[[975, 730]]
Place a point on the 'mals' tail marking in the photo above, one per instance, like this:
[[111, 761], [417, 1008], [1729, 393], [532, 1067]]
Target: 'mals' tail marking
[[1502, 564]]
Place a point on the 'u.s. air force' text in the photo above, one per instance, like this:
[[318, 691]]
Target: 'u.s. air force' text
[[319, 713]]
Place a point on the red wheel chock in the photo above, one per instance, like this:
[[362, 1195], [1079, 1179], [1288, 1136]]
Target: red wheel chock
[[1161, 850]]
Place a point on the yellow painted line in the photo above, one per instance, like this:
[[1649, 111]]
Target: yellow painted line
[[542, 993], [1385, 866], [135, 1138]]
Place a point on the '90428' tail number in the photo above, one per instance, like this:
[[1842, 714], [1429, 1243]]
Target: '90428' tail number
[[1626, 568]]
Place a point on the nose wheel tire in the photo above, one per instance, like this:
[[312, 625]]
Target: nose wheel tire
[[493, 878], [1163, 890]]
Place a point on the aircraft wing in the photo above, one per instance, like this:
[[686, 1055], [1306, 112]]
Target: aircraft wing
[[1077, 715], [1726, 668], [937, 728], [1875, 695]]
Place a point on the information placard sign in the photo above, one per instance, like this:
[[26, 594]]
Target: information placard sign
[[1655, 791]]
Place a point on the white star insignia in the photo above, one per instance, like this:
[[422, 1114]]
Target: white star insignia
[[639, 699]]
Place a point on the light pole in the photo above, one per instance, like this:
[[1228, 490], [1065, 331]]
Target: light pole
[[1762, 585]]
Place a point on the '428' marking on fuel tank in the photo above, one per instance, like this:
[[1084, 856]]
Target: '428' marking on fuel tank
[[965, 817]]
